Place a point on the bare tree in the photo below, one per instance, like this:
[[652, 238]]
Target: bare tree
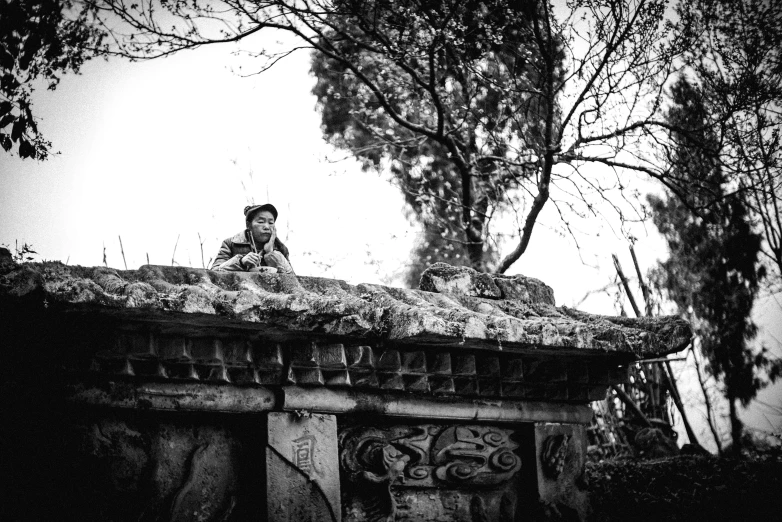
[[736, 60], [565, 87]]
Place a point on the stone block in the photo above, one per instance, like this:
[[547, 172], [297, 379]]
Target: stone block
[[525, 289], [336, 377], [413, 362], [267, 355], [441, 385], [390, 361], [236, 351], [390, 381], [332, 356], [174, 348], [439, 363], [463, 365], [363, 378], [360, 357], [304, 355], [458, 280], [207, 350], [545, 370], [302, 468], [560, 454], [488, 366], [513, 370], [465, 385]]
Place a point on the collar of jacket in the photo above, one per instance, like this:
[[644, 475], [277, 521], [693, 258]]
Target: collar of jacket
[[241, 238]]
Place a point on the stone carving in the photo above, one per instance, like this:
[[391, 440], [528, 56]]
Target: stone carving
[[253, 362], [561, 454], [394, 467], [430, 456], [302, 470], [555, 450], [303, 454]]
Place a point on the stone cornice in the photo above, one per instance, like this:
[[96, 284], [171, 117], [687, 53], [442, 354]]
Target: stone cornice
[[287, 305]]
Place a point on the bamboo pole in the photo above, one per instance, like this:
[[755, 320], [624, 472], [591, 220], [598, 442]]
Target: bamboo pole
[[628, 401], [668, 374], [626, 286]]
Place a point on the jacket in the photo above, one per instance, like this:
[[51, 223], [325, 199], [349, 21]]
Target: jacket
[[234, 248]]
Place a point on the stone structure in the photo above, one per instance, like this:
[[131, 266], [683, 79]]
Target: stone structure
[[172, 393]]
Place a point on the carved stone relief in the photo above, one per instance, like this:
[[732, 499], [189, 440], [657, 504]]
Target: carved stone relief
[[430, 456], [394, 467], [561, 457]]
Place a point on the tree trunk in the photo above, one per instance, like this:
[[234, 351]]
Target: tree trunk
[[736, 426]]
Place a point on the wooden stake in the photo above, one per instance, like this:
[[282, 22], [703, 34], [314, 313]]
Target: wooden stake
[[123, 251], [174, 254]]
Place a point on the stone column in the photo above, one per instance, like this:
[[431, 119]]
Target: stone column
[[560, 452], [302, 468]]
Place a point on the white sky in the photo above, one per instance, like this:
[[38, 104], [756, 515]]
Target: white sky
[[166, 149]]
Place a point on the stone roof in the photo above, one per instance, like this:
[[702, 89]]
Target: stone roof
[[456, 306]]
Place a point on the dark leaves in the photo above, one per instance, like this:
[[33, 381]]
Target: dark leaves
[[17, 129], [39, 41], [26, 150]]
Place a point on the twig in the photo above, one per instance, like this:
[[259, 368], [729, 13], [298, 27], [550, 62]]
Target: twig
[[201, 243], [148, 259], [121, 249], [105, 263], [174, 254]]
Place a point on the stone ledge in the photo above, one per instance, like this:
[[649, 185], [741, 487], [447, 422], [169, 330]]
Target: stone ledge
[[317, 306]]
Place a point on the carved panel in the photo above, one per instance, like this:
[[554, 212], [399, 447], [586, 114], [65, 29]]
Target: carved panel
[[429, 455], [250, 361], [561, 457]]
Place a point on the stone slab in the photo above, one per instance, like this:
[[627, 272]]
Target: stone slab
[[520, 317], [302, 468], [560, 454]]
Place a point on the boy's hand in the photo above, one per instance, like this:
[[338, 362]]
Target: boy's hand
[[251, 260], [268, 248]]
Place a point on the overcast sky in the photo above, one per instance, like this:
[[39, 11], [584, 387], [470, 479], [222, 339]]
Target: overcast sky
[[167, 151]]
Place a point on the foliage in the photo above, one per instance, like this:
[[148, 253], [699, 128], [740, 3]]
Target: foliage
[[712, 272], [39, 41], [21, 254], [484, 61], [478, 106], [686, 488], [736, 58]]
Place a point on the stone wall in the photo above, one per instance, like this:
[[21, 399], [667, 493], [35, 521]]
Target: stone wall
[[182, 394]]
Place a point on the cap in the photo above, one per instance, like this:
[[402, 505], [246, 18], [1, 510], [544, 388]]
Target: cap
[[250, 210]]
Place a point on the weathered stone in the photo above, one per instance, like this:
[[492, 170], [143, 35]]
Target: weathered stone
[[430, 472], [652, 443], [302, 468], [560, 451], [458, 280], [524, 289], [150, 470], [296, 306], [175, 373]]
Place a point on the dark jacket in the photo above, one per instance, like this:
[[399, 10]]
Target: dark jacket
[[233, 249]]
